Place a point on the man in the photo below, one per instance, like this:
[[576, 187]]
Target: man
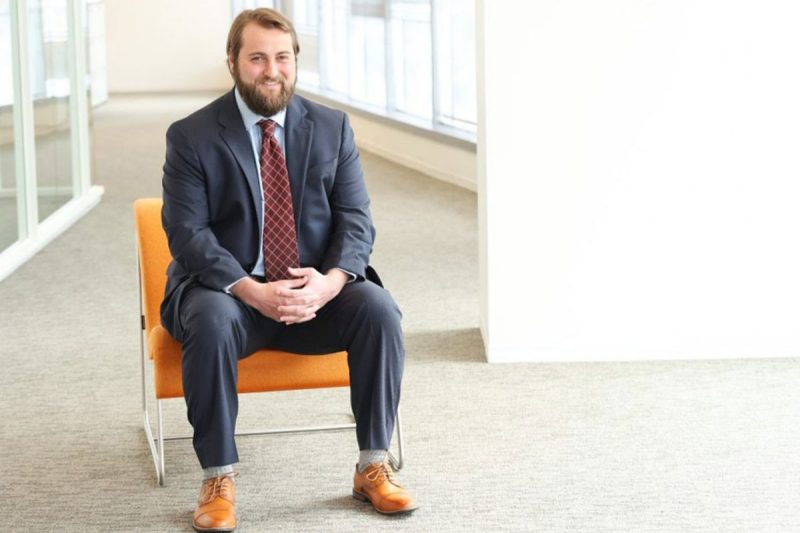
[[268, 221]]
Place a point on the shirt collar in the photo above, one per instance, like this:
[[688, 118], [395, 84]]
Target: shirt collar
[[250, 118]]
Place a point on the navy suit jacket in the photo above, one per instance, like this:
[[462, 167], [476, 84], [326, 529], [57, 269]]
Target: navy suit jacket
[[213, 206]]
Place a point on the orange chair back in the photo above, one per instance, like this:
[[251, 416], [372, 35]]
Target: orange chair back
[[154, 257]]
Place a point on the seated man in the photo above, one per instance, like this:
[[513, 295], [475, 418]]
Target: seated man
[[268, 221]]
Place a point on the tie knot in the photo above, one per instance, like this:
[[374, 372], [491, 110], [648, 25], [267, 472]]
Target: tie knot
[[267, 126]]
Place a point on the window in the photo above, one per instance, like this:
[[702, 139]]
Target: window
[[409, 60], [45, 161], [6, 82], [455, 61], [240, 5], [48, 41]]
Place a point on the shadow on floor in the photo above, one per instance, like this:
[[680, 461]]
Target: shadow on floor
[[455, 345]]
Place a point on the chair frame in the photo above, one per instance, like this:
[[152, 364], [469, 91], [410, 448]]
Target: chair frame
[[156, 441]]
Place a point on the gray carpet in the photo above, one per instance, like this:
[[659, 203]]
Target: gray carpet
[[664, 446]]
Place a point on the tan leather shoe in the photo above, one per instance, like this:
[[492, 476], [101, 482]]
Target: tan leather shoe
[[378, 485], [216, 507]]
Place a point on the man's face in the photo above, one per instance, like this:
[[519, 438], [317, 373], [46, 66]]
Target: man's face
[[266, 70]]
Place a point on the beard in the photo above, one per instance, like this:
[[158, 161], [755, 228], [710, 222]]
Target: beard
[[260, 103]]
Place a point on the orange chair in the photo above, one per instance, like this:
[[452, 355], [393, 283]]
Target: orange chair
[[265, 370]]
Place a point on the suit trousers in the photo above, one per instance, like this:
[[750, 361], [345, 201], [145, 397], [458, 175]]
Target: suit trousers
[[217, 330]]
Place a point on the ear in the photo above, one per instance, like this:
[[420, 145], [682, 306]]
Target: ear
[[230, 63]]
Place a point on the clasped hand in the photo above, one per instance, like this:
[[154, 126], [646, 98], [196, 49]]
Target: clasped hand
[[292, 301]]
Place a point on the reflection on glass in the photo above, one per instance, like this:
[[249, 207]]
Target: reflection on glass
[[409, 59], [455, 32], [8, 183], [368, 52], [305, 14], [49, 64], [411, 49], [334, 67], [95, 31]]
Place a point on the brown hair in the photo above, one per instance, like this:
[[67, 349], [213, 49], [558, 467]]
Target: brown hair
[[264, 17]]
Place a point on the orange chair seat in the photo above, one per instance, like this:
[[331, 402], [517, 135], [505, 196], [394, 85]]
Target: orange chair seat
[[265, 370]]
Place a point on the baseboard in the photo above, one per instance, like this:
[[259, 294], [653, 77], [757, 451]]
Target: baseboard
[[21, 251], [417, 165]]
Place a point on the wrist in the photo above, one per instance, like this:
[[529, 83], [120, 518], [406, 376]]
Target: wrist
[[243, 287], [337, 277]]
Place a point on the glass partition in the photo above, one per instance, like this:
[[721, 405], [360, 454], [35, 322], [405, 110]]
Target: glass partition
[[51, 54], [50, 85], [9, 225]]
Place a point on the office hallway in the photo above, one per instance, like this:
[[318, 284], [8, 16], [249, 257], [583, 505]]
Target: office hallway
[[644, 446]]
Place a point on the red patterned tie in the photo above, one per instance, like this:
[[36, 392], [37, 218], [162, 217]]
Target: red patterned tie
[[280, 237]]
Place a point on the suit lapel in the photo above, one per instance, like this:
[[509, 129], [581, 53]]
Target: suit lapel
[[238, 140], [298, 149]]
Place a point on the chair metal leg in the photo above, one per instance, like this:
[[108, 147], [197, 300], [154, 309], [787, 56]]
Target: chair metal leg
[[151, 443], [157, 454], [156, 444], [397, 462], [300, 429], [162, 470]]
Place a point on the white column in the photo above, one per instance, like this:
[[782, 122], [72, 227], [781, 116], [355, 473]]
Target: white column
[[639, 181], [78, 101], [24, 145]]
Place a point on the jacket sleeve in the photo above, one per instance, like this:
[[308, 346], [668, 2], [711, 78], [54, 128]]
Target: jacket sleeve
[[352, 231], [186, 220]]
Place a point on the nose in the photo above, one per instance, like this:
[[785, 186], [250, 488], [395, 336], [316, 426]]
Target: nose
[[271, 69]]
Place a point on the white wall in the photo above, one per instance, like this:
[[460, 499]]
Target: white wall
[[639, 179], [177, 45]]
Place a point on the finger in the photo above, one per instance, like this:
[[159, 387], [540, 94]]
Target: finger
[[292, 283], [298, 297], [298, 320], [299, 313], [289, 292], [291, 309], [298, 310], [293, 294], [303, 271]]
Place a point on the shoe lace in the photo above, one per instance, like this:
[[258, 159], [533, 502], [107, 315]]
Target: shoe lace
[[382, 472], [218, 487]]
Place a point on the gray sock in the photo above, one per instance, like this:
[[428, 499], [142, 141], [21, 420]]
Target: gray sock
[[368, 457], [216, 471]]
